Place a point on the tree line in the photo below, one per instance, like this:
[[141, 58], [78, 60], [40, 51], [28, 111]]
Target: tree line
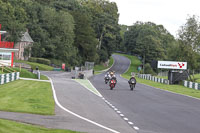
[[70, 31], [75, 31], [152, 42]]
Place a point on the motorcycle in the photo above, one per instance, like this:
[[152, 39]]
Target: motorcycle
[[132, 84], [112, 83], [106, 79]]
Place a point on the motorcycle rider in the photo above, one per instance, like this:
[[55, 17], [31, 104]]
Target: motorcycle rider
[[113, 80], [112, 75], [107, 77], [132, 80]]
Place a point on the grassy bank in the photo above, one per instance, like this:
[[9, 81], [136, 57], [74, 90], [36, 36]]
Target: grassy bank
[[135, 62], [27, 96], [34, 65], [7, 126], [102, 67], [24, 73], [173, 88]]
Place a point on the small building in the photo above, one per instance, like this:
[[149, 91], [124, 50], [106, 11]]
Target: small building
[[25, 43], [6, 52]]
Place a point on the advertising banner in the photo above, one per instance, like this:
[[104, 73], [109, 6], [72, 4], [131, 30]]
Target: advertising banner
[[172, 65]]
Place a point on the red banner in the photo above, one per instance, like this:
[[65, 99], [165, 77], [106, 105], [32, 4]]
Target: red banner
[[6, 44]]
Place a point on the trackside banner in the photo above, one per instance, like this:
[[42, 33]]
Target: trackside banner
[[172, 65]]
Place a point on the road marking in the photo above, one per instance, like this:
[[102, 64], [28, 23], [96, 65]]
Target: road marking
[[81, 117], [121, 115], [35, 79], [136, 128], [126, 119], [96, 93], [118, 112], [131, 123], [115, 109]]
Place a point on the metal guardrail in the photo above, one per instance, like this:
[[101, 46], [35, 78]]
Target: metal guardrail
[[153, 78]]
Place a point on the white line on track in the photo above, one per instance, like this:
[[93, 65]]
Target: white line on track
[[122, 115], [118, 112], [126, 119], [81, 117], [34, 79], [97, 93], [136, 128], [131, 123]]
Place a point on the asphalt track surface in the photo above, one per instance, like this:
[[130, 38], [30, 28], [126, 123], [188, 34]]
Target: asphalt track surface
[[77, 99], [152, 110]]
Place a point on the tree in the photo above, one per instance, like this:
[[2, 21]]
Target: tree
[[13, 19], [189, 43], [147, 41], [85, 39], [105, 23], [189, 33]]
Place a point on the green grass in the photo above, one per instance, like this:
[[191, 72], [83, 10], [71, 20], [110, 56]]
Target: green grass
[[87, 84], [164, 77], [34, 65], [26, 74], [102, 67], [7, 126], [27, 96], [135, 62], [173, 88], [196, 78]]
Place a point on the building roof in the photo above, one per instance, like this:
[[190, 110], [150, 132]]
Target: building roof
[[26, 38]]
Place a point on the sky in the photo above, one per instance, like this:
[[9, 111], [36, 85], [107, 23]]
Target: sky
[[170, 13]]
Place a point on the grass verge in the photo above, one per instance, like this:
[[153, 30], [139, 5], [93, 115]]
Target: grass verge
[[101, 67], [7, 126], [34, 65], [173, 88], [24, 73], [87, 84], [27, 97], [135, 62]]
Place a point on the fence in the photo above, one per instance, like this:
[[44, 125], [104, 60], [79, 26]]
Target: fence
[[153, 78], [5, 78], [191, 85]]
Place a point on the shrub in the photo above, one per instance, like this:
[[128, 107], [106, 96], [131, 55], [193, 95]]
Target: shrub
[[148, 69], [40, 60], [43, 61], [32, 59]]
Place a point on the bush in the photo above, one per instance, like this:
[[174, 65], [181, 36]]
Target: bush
[[40, 60], [56, 62], [148, 69], [43, 61], [32, 59]]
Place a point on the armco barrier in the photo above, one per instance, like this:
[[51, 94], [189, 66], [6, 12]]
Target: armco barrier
[[5, 78], [193, 85], [153, 78]]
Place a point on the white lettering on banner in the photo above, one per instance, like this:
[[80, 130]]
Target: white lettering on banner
[[172, 65]]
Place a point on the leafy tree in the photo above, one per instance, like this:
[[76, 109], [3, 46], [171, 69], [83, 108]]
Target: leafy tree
[[105, 23], [85, 39], [189, 43], [189, 33], [13, 19], [148, 41]]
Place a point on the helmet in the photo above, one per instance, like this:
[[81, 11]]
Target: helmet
[[111, 73]]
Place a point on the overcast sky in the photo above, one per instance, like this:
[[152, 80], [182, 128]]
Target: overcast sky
[[170, 13]]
